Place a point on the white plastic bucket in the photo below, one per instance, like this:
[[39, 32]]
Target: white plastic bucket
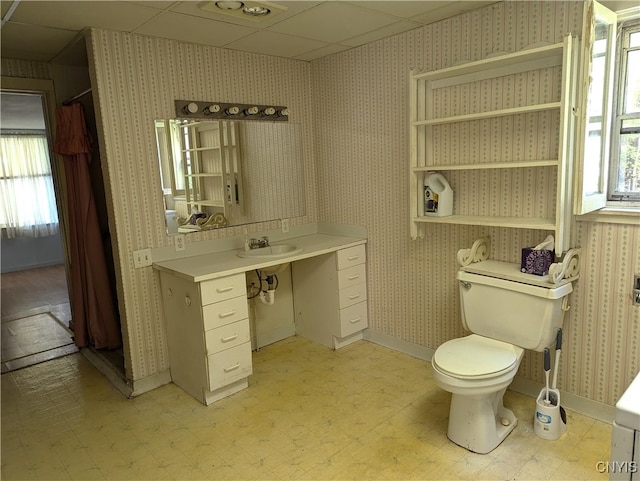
[[548, 421], [438, 196]]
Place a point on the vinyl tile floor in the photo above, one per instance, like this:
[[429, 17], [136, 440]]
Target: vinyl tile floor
[[310, 413]]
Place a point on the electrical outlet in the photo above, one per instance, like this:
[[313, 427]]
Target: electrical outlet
[[142, 258], [284, 223], [179, 242]]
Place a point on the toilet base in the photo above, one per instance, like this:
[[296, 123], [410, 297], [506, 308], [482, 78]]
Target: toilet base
[[480, 423]]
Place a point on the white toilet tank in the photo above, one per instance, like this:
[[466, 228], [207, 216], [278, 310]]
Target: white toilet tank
[[507, 309]]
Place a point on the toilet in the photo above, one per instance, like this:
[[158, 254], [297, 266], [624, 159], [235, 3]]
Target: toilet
[[506, 312]]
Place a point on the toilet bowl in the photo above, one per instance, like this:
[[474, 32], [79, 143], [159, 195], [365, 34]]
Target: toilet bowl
[[506, 312], [477, 371]]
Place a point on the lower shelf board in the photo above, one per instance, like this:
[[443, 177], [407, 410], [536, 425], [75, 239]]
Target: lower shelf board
[[513, 222]]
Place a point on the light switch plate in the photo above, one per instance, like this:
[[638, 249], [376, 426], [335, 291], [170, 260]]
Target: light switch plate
[[142, 258]]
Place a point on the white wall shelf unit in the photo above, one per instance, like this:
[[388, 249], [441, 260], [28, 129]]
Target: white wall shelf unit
[[213, 177], [443, 103]]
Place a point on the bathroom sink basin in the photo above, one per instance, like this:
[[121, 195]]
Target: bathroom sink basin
[[271, 252]]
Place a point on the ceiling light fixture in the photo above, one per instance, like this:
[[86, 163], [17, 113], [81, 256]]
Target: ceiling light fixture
[[256, 11], [246, 11], [230, 5]]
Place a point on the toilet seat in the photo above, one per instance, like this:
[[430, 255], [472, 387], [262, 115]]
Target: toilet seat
[[476, 357]]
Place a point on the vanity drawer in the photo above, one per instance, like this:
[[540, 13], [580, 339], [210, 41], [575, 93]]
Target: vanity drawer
[[352, 295], [225, 312], [228, 336], [353, 319], [352, 276], [217, 290], [350, 257], [229, 366]]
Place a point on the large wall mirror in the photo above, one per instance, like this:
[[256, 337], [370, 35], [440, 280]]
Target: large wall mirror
[[219, 173]]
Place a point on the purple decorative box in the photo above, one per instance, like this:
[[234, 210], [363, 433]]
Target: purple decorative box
[[536, 261]]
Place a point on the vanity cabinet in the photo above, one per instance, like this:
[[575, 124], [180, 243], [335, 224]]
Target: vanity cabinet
[[330, 297], [208, 334], [500, 129]]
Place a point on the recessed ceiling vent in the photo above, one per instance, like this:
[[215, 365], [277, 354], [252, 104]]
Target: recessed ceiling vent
[[253, 10]]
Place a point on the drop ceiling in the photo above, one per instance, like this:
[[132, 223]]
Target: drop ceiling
[[306, 30]]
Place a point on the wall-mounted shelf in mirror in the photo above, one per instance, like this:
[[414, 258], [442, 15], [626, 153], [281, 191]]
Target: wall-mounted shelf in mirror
[[230, 172]]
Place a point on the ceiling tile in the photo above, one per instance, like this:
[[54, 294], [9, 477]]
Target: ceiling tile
[[272, 43], [322, 52], [384, 32], [193, 29], [123, 16], [31, 42], [402, 9], [332, 22], [449, 10]]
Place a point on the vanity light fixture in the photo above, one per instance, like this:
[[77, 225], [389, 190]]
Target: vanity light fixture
[[187, 109]]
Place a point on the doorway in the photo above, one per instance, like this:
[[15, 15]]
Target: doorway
[[111, 361], [35, 311]]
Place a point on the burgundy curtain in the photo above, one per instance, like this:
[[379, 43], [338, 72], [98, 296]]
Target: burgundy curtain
[[95, 322]]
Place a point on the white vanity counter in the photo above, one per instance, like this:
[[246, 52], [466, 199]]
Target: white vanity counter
[[221, 264], [207, 315]]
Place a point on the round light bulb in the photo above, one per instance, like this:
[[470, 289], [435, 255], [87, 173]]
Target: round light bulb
[[269, 111], [191, 108], [229, 5]]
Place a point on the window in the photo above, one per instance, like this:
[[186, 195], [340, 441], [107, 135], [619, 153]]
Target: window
[[624, 176], [27, 200]]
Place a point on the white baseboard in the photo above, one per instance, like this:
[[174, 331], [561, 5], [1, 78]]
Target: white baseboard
[[572, 402], [150, 383]]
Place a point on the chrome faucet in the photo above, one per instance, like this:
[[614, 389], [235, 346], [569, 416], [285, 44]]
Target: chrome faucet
[[258, 243]]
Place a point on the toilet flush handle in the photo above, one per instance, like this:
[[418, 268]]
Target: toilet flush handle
[[466, 285]]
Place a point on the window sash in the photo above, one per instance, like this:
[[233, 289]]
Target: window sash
[[626, 127]]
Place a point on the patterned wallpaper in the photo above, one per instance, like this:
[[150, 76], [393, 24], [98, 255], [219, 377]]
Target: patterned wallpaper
[[361, 107], [137, 79], [358, 169], [25, 69]]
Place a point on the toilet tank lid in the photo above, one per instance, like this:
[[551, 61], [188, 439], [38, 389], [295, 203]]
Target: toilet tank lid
[[511, 272]]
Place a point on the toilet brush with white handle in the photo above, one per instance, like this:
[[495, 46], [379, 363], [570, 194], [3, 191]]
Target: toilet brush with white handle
[[556, 361], [547, 369], [554, 384]]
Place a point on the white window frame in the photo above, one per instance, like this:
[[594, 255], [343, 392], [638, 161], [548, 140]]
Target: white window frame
[[595, 206], [615, 197], [587, 200]]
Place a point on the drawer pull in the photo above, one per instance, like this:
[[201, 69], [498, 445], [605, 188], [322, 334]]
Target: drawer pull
[[353, 258], [351, 298], [220, 290], [187, 300], [231, 368], [222, 315], [353, 278], [230, 338], [356, 320]]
